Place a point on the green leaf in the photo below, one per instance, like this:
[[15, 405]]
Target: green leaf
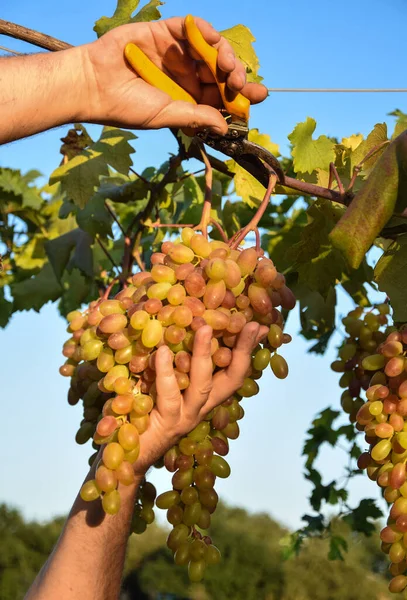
[[376, 138], [309, 154], [401, 123], [317, 314], [77, 289], [6, 309], [319, 265], [247, 187], [390, 274], [337, 544], [14, 187], [373, 205], [31, 255], [80, 175], [36, 291], [73, 249], [241, 39], [320, 432], [353, 283], [283, 238], [95, 218], [123, 15], [76, 140], [358, 519]]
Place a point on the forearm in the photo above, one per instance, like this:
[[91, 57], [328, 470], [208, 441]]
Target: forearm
[[88, 560], [41, 91]]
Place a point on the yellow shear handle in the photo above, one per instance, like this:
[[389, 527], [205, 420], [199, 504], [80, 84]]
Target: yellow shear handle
[[151, 74], [235, 103]]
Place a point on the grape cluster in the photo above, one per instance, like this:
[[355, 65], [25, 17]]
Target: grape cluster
[[383, 418], [364, 333], [111, 362]]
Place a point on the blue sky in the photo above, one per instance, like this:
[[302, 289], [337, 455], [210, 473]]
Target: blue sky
[[354, 45]]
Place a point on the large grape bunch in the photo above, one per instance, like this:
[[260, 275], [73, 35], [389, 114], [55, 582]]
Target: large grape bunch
[[111, 362], [383, 418], [364, 332]]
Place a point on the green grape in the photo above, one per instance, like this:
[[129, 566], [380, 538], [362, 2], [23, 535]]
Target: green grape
[[182, 479], [84, 433], [182, 554], [200, 246], [216, 319], [186, 235], [139, 319], [213, 556], [220, 467], [187, 446], [168, 499], [373, 362], [198, 550], [90, 491], [192, 513], [113, 373], [204, 520], [113, 455], [279, 366], [177, 536], [381, 450], [249, 388], [152, 333], [147, 514], [189, 495], [111, 502], [275, 336], [128, 437], [200, 432], [203, 477], [105, 360], [209, 499], [125, 473], [92, 349], [261, 359], [132, 455], [216, 269]]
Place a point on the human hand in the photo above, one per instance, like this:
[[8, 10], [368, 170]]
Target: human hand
[[176, 414], [118, 96]]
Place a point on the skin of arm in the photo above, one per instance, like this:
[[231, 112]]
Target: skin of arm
[[88, 559], [94, 84]]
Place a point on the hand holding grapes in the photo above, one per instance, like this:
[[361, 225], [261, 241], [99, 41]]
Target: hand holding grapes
[[176, 413]]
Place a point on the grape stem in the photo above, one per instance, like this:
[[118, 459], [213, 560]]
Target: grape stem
[[252, 225], [220, 229], [206, 210]]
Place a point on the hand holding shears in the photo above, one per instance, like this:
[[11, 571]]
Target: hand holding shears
[[231, 137]]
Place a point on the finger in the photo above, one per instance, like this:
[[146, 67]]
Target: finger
[[176, 27], [226, 382], [226, 57], [255, 92], [193, 116], [168, 393], [204, 73], [236, 80], [200, 375]]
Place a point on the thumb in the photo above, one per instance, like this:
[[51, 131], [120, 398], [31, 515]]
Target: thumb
[[180, 114]]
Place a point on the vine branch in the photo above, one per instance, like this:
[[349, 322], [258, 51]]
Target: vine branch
[[31, 36]]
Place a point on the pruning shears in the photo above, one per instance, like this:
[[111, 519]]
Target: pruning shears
[[254, 158]]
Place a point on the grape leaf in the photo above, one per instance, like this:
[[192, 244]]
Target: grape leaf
[[80, 175], [247, 187], [373, 205], [14, 187], [123, 15], [77, 290], [76, 140], [95, 218], [36, 291], [389, 275], [401, 123], [357, 519], [31, 255], [321, 431], [309, 154], [319, 265], [6, 309], [336, 545], [376, 138], [241, 39], [72, 249]]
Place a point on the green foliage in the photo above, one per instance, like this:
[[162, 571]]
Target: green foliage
[[241, 40], [309, 154], [124, 14], [389, 274]]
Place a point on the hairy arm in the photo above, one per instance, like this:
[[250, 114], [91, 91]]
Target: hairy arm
[[88, 560], [94, 84], [40, 91]]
